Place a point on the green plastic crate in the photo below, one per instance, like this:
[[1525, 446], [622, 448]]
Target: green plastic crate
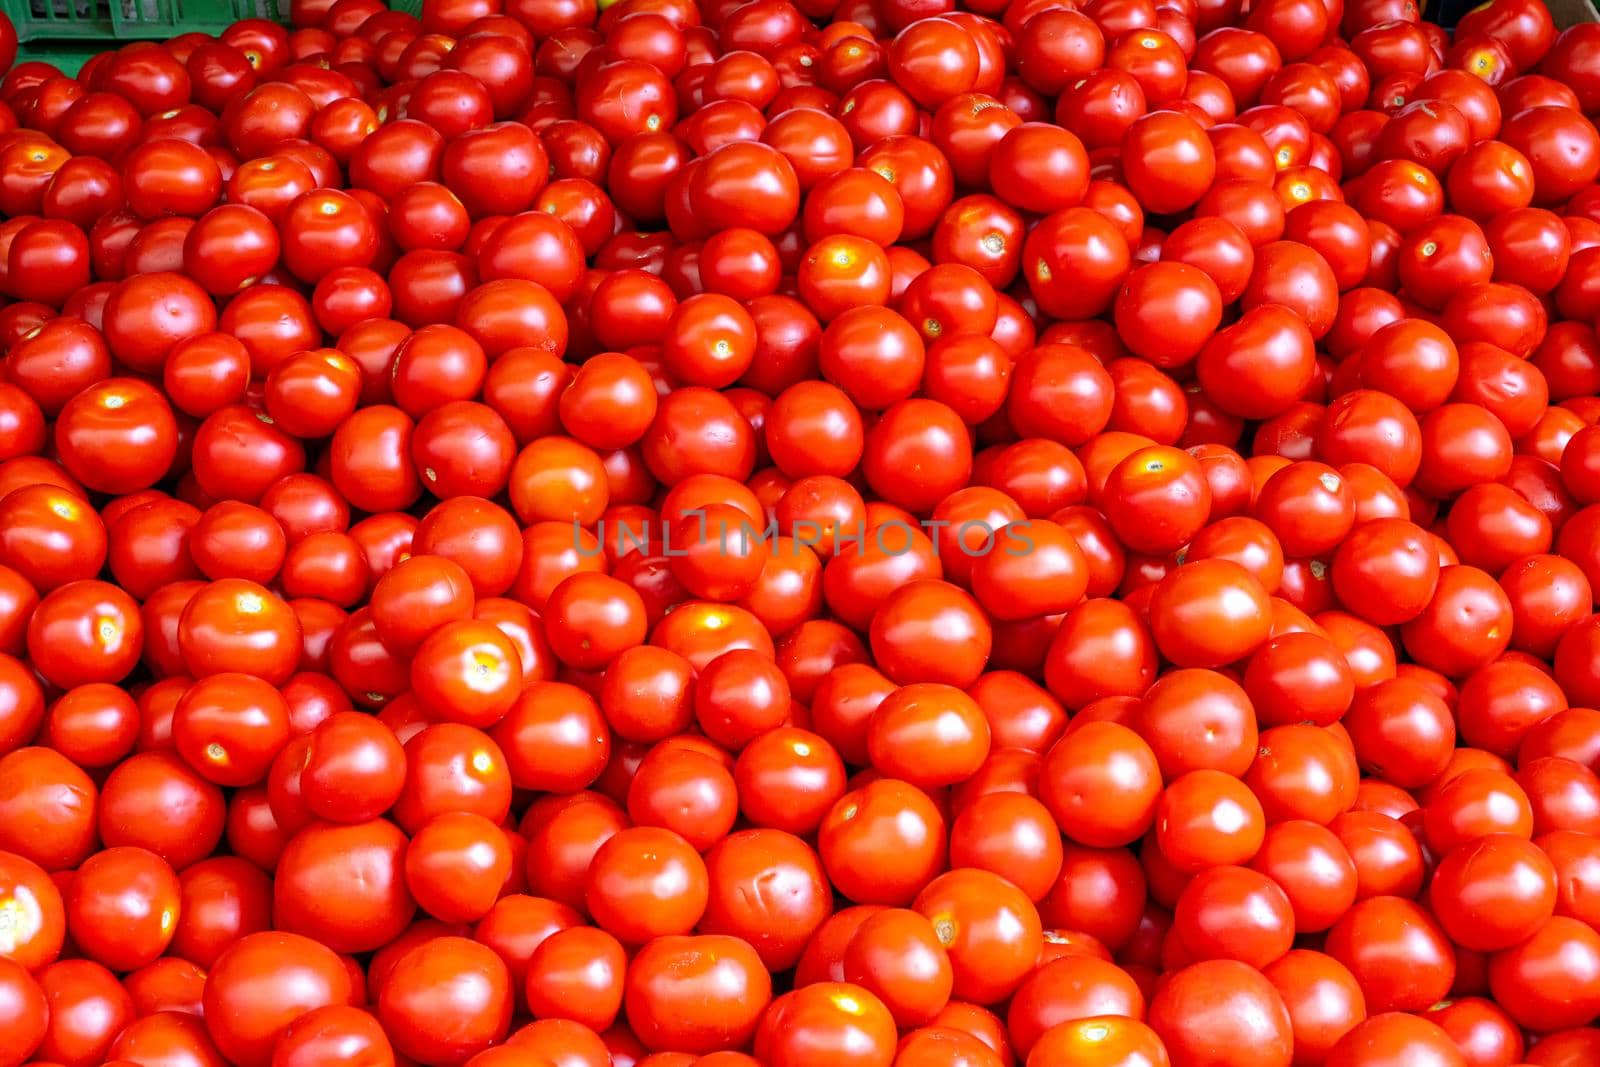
[[68, 32], [131, 20]]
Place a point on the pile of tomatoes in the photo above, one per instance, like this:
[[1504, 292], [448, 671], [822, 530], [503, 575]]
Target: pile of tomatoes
[[803, 533]]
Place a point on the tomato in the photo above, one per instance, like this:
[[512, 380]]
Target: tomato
[[334, 1026], [313, 861], [838, 1020], [236, 623], [1384, 1035], [1016, 510], [1075, 261], [1543, 133], [931, 631], [1168, 160], [151, 782], [221, 900], [1222, 996], [229, 727], [38, 901], [262, 984], [577, 974], [456, 864], [929, 735], [467, 671], [136, 334], [85, 632], [448, 998], [239, 456], [896, 955], [87, 1008], [1498, 863], [696, 994], [1209, 613], [1383, 933], [1386, 571], [1205, 818], [1165, 312], [122, 907], [1156, 499], [1520, 978], [1004, 834], [1234, 913], [861, 824]]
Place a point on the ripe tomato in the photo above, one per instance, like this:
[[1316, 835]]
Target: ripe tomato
[[1019, 516]]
